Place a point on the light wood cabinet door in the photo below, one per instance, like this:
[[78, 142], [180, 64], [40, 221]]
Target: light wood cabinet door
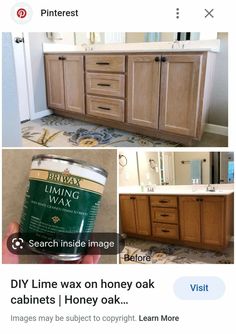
[[180, 90], [212, 225], [143, 224], [127, 212], [74, 83], [143, 90], [190, 218], [55, 82]]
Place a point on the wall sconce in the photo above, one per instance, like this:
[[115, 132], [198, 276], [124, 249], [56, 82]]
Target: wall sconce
[[152, 163], [122, 160], [92, 37], [54, 36]]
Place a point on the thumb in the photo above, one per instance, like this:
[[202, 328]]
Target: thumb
[[7, 256]]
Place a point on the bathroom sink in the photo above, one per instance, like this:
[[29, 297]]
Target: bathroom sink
[[208, 192]]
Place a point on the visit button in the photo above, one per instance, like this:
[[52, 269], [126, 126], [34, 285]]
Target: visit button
[[199, 287]]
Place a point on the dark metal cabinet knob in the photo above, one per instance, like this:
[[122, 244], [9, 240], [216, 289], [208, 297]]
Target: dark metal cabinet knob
[[163, 59], [157, 59]]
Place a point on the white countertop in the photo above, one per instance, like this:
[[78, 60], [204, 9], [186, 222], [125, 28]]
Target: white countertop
[[195, 190], [182, 46]]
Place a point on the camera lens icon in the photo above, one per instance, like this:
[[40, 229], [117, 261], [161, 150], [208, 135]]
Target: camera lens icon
[[17, 243]]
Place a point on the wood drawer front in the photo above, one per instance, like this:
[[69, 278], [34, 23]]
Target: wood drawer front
[[164, 201], [106, 84], [165, 215], [167, 231], [105, 63], [105, 107]]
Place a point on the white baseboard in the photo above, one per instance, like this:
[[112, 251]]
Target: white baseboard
[[41, 114], [217, 129]]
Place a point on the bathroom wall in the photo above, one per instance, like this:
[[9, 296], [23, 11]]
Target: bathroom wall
[[183, 171], [10, 108], [167, 36], [66, 38], [219, 101], [135, 37], [128, 175]]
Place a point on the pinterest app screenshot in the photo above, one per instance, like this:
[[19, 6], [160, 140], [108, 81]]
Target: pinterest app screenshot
[[117, 156]]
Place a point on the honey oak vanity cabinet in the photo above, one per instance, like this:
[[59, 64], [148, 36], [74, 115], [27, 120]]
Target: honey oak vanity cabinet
[[164, 213], [135, 215], [199, 221], [157, 94], [206, 219]]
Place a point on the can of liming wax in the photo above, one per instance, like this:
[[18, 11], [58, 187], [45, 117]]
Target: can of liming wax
[[63, 197]]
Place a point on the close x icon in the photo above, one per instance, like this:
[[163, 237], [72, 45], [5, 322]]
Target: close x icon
[[209, 13]]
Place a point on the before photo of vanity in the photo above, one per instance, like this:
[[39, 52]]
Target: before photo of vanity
[[161, 213]]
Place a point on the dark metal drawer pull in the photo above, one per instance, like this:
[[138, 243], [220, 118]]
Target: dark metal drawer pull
[[61, 58], [103, 85], [163, 201], [165, 231], [132, 197], [104, 108], [102, 63], [164, 215]]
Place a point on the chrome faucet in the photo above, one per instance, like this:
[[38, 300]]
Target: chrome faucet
[[150, 188], [210, 187], [178, 44]]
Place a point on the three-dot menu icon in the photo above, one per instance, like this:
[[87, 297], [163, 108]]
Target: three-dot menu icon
[[177, 13]]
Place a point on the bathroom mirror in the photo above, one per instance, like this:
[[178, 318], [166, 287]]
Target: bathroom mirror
[[79, 38], [140, 37], [175, 168]]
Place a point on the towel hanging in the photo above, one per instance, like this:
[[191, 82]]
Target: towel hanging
[[196, 171]]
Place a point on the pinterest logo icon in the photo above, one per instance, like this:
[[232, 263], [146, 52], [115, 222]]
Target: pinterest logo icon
[[21, 13]]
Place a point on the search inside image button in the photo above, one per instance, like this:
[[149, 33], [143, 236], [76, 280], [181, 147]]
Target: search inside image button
[[199, 287]]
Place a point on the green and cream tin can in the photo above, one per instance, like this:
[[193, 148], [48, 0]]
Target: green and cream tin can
[[62, 200]]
